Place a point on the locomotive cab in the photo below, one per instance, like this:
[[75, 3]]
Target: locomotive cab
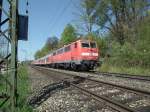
[[89, 54]]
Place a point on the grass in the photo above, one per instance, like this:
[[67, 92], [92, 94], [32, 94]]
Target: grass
[[23, 90], [120, 69], [3, 89]]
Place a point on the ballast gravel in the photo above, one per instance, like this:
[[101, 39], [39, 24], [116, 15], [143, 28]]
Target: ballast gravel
[[144, 85], [67, 100], [71, 100]]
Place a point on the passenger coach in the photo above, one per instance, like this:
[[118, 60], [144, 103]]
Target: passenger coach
[[79, 55]]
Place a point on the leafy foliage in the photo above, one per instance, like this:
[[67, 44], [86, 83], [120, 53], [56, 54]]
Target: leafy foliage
[[85, 16], [118, 16], [131, 55], [51, 43], [23, 89], [68, 35], [127, 22]]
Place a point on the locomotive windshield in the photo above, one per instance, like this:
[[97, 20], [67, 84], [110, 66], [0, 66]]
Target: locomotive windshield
[[93, 44], [89, 44], [85, 44]]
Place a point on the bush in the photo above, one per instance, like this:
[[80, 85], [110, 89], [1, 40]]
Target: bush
[[130, 55]]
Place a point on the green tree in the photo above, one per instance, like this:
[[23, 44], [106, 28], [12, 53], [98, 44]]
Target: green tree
[[118, 16], [38, 54], [133, 54], [85, 21], [51, 44], [68, 35]]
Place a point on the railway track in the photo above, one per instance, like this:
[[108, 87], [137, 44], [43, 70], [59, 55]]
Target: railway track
[[118, 97], [127, 76]]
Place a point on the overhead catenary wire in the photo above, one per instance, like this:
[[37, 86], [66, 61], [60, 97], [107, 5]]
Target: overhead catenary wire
[[60, 15]]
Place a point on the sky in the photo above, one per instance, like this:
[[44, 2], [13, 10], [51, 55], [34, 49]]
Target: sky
[[46, 18]]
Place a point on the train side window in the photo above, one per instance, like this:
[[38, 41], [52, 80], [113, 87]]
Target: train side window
[[75, 45], [85, 44], [93, 44], [54, 53], [61, 51], [67, 48]]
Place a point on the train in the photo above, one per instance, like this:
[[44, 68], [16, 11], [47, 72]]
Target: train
[[78, 55]]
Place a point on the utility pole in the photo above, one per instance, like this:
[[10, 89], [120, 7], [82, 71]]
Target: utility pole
[[16, 28], [9, 97], [14, 47]]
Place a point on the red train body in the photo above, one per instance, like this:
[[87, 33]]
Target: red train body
[[79, 55]]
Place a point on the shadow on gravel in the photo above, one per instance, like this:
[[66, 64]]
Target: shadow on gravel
[[43, 94]]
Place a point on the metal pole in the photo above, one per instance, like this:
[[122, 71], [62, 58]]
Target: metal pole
[[14, 44]]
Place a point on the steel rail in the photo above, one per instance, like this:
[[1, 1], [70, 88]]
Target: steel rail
[[122, 75], [130, 89], [111, 103], [125, 74]]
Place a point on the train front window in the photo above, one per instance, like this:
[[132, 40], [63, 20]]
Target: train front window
[[84, 44], [93, 44]]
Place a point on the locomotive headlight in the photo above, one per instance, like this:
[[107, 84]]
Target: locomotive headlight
[[89, 54], [94, 54], [85, 54]]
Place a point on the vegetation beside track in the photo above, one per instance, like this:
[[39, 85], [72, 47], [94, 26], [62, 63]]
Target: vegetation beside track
[[132, 57], [23, 89], [134, 70], [3, 89]]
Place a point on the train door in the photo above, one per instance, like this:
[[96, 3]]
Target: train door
[[74, 52]]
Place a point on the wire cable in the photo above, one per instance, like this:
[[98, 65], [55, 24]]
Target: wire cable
[[60, 15]]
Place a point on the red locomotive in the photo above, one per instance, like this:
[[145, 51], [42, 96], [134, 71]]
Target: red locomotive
[[79, 55]]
